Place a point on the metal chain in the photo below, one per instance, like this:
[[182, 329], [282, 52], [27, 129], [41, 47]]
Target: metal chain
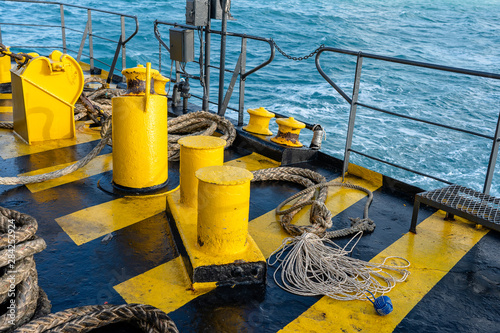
[[19, 56], [297, 58]]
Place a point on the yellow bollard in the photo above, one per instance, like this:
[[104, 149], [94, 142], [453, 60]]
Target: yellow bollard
[[140, 139], [223, 207], [288, 132], [5, 65], [259, 121], [159, 84], [197, 152]]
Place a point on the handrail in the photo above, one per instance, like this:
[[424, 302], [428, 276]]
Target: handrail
[[240, 69], [354, 103], [123, 40], [218, 32]]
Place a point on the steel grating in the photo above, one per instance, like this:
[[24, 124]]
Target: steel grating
[[478, 207]]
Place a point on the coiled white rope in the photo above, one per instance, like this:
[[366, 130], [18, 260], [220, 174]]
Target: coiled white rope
[[309, 265]]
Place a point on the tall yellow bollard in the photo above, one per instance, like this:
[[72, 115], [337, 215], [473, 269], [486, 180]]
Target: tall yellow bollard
[[223, 207], [197, 152], [140, 134]]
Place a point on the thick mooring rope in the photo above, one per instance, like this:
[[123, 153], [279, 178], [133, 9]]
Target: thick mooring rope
[[310, 263], [312, 266], [62, 172], [85, 319], [31, 308], [320, 216], [19, 290]]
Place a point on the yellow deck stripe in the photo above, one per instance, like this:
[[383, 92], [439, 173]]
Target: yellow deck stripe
[[161, 286], [437, 247], [99, 164], [168, 287], [165, 287], [88, 224], [269, 235], [3, 108], [12, 146], [96, 221]]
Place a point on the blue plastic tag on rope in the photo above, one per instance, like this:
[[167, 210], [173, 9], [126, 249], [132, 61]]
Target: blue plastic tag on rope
[[382, 304]]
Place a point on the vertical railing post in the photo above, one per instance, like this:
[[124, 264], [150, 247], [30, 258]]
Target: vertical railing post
[[63, 29], [352, 114], [222, 54], [242, 80], [493, 159], [124, 54], [1, 33], [91, 44], [206, 91]]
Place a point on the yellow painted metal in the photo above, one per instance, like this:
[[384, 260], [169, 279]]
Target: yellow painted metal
[[5, 65], [259, 121], [140, 139], [159, 84], [433, 252], [186, 221], [136, 79], [13, 146], [223, 207], [44, 93], [197, 152], [288, 132]]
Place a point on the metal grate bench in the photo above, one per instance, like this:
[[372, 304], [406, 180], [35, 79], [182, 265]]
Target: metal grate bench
[[461, 201]]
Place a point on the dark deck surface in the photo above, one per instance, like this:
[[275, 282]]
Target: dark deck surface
[[463, 298]]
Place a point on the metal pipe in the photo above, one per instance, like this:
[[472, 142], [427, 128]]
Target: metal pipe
[[493, 159], [206, 91], [400, 167], [241, 103], [222, 56], [124, 48], [63, 29], [91, 41], [426, 121], [352, 115]]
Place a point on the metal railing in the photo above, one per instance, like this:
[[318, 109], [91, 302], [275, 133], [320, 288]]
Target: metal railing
[[353, 101], [238, 72], [88, 32]]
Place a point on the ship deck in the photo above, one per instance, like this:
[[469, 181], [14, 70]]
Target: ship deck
[[103, 248]]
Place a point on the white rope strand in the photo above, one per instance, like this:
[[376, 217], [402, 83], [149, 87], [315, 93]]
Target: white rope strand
[[312, 266]]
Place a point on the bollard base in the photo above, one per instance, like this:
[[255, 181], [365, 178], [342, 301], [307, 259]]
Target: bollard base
[[107, 185], [243, 268]]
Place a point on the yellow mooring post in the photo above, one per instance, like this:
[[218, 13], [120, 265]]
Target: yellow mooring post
[[288, 132], [223, 207], [5, 65], [44, 92], [140, 134], [197, 152], [259, 121]]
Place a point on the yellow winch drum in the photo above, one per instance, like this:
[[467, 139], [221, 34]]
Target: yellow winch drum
[[44, 92]]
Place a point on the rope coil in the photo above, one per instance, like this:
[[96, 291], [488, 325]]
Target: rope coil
[[19, 290]]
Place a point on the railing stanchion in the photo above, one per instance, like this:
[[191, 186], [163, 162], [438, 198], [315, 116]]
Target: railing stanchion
[[222, 64], [124, 48], [241, 104], [493, 159], [63, 29], [352, 115], [91, 43]]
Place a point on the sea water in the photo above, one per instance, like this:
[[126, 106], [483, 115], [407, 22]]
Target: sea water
[[459, 33]]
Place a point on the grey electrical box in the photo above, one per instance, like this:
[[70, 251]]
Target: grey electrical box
[[197, 12], [181, 44]]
